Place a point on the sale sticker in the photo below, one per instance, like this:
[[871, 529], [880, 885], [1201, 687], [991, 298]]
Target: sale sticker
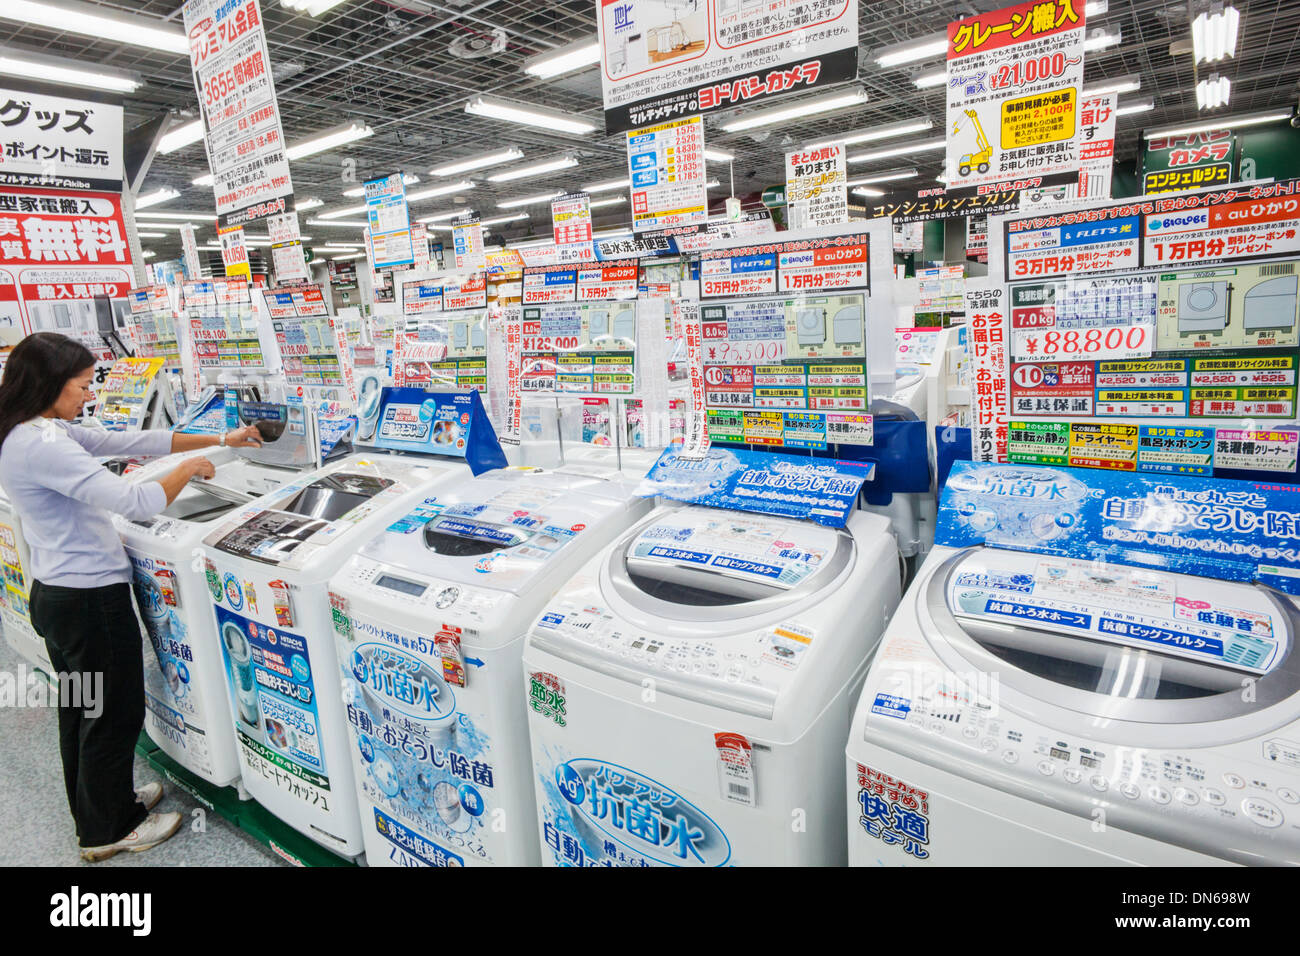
[[1103, 445], [1038, 443], [1256, 449], [1176, 449]]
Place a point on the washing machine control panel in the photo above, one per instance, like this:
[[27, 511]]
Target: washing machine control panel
[[1238, 799], [445, 601]]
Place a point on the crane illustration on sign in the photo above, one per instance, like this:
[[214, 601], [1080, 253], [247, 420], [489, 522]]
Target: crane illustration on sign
[[978, 160]]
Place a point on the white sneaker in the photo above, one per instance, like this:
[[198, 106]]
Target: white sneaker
[[156, 828], [149, 794]]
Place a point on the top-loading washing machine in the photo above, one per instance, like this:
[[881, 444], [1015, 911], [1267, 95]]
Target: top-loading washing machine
[[434, 610], [187, 714], [690, 686], [267, 567], [1041, 706]]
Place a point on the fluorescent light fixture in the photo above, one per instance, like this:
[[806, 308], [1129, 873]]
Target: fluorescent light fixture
[[330, 138], [503, 219], [332, 244], [434, 191], [1121, 84], [1222, 122], [175, 226], [607, 185], [886, 177], [442, 216], [534, 169], [1099, 40], [478, 162], [148, 253], [407, 180], [528, 115], [97, 22], [795, 111], [348, 223], [573, 56], [612, 201], [348, 255], [151, 235], [927, 80], [302, 205], [925, 48], [868, 191], [1144, 105], [712, 184], [182, 136], [207, 179], [718, 156], [1213, 92], [313, 8], [905, 150], [50, 69], [536, 200], [878, 132], [155, 198], [195, 217], [1214, 33]]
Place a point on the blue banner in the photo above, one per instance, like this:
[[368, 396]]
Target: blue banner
[[438, 423], [1213, 527], [816, 489]]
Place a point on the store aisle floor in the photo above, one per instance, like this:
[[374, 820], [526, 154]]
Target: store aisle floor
[[34, 811]]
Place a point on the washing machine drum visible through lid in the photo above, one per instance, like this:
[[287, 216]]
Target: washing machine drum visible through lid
[[706, 564], [1112, 643]]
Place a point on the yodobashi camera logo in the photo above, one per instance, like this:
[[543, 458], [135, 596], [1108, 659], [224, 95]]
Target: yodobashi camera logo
[[651, 820], [1186, 220], [76, 909]]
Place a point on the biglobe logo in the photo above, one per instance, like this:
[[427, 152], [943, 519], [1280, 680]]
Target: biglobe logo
[[1187, 220]]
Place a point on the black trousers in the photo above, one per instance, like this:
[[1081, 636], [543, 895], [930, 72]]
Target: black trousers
[[94, 631]]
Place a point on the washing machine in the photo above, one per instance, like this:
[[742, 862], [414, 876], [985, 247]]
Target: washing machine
[[1203, 307], [1027, 707], [187, 714], [435, 609], [267, 566], [689, 688], [16, 560], [810, 327]]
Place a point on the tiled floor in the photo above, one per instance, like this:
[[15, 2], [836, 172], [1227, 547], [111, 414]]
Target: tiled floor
[[36, 828]]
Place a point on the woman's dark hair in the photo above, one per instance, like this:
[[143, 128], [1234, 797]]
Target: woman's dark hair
[[37, 369]]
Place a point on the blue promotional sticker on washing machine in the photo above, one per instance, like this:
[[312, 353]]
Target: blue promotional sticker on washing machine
[[1213, 527], [816, 489], [890, 706]]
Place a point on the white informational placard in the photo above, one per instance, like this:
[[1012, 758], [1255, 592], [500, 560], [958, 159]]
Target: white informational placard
[[190, 248], [666, 165], [986, 318], [695, 444], [1014, 81], [1097, 115], [571, 219], [245, 142], [56, 138], [664, 59], [467, 239], [816, 186]]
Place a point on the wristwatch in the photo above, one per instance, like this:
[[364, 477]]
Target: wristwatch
[[223, 440]]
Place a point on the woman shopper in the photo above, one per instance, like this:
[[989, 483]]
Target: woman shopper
[[80, 597]]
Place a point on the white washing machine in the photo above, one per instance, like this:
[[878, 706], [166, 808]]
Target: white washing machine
[[690, 686], [1033, 709], [16, 560], [436, 608], [267, 568], [187, 714]]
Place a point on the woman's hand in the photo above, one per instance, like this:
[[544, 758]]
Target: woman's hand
[[246, 437], [201, 468]]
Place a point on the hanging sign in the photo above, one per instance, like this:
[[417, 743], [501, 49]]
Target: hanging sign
[[816, 192], [190, 248], [666, 165], [245, 142], [571, 218], [1189, 161], [390, 223], [56, 139], [1014, 77], [662, 61], [1257, 222], [234, 252], [287, 257], [467, 237]]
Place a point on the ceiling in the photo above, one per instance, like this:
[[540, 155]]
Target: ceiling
[[402, 69]]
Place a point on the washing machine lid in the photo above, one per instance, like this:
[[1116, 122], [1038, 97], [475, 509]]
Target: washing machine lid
[[1115, 641], [498, 530], [707, 564]]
